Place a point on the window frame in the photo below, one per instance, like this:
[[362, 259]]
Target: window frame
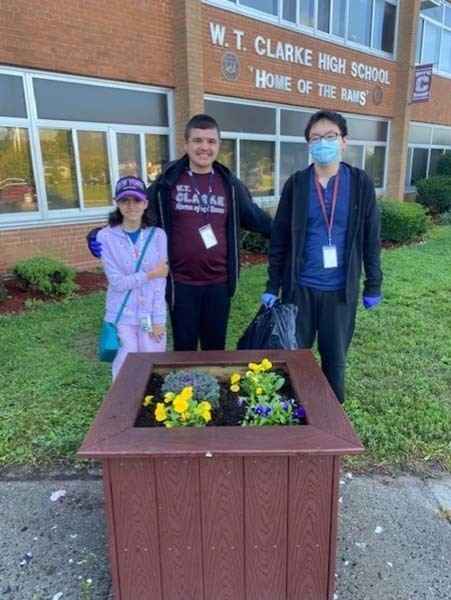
[[429, 146], [43, 215]]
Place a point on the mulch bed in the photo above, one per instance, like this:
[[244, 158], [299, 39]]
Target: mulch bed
[[88, 281], [16, 300]]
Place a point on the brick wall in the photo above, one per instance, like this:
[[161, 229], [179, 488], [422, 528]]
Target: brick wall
[[438, 108], [129, 41], [64, 242]]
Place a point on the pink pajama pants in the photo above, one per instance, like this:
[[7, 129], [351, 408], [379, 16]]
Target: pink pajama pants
[[134, 339]]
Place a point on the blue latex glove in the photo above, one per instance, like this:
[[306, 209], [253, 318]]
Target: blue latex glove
[[95, 247], [370, 301], [269, 300]]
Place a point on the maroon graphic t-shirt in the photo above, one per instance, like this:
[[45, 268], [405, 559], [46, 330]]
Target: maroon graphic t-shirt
[[198, 200]]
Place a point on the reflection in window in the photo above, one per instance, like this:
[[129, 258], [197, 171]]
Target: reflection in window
[[353, 155], [419, 164], [227, 154], [293, 157], [384, 26], [289, 10], [433, 163], [445, 54], [257, 166], [129, 155], [431, 48], [59, 168], [307, 13], [12, 99], [17, 187], [359, 26], [338, 21], [374, 164], [157, 155], [92, 148], [267, 6], [324, 15]]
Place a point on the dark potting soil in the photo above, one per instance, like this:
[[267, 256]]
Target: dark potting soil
[[228, 413]]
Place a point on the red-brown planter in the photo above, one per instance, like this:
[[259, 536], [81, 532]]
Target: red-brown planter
[[221, 513]]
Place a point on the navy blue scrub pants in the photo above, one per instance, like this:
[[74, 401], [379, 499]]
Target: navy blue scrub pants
[[200, 313], [327, 315]]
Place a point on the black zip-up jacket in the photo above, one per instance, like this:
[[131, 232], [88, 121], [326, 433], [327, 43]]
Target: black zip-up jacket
[[362, 237], [242, 212]]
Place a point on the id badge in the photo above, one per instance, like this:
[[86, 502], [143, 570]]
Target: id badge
[[330, 257], [208, 236]]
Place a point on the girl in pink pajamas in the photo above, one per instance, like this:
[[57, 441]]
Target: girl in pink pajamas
[[141, 326]]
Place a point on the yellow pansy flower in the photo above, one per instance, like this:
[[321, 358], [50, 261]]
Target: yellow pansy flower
[[235, 378], [185, 416], [147, 400], [180, 404], [254, 367], [259, 391], [160, 412], [206, 416], [187, 393], [169, 397], [266, 364], [235, 388], [205, 405]]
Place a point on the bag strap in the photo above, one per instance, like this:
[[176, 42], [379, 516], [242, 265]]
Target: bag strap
[[138, 264]]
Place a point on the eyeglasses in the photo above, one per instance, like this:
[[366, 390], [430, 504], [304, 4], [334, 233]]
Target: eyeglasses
[[329, 137]]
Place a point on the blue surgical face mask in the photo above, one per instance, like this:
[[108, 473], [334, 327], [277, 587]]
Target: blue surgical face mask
[[325, 153]]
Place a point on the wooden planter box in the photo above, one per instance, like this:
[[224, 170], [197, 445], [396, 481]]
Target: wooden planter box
[[221, 513]]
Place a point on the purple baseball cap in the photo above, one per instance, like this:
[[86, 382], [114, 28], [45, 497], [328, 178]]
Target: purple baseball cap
[[130, 186]]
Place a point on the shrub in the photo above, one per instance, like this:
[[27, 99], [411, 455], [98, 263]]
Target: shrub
[[444, 164], [254, 242], [205, 387], [45, 275], [435, 193], [3, 291], [445, 218], [402, 222]]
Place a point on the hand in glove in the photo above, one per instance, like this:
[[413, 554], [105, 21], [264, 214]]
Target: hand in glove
[[268, 300], [370, 301]]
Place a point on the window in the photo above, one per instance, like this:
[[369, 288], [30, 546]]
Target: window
[[367, 23], [257, 167], [17, 187], [434, 37], [427, 143], [264, 159], [59, 168], [359, 24], [294, 156], [95, 171], [157, 155], [419, 164], [60, 162], [129, 154]]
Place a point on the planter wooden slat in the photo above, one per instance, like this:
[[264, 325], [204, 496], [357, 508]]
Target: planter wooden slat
[[266, 486], [136, 526], [221, 513], [222, 527], [179, 511], [310, 505]]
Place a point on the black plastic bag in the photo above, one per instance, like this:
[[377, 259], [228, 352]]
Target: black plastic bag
[[271, 328]]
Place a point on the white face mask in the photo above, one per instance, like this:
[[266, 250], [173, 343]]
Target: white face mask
[[325, 153]]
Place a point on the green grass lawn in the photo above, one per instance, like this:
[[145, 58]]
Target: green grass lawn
[[398, 376]]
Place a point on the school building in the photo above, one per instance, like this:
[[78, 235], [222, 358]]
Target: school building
[[91, 91]]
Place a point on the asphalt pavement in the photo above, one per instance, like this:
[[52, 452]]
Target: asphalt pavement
[[394, 538]]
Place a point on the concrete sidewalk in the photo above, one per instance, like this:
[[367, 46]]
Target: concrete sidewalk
[[394, 538]]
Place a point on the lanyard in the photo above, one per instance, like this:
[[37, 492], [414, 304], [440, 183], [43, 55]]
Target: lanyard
[[203, 202], [319, 191]]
